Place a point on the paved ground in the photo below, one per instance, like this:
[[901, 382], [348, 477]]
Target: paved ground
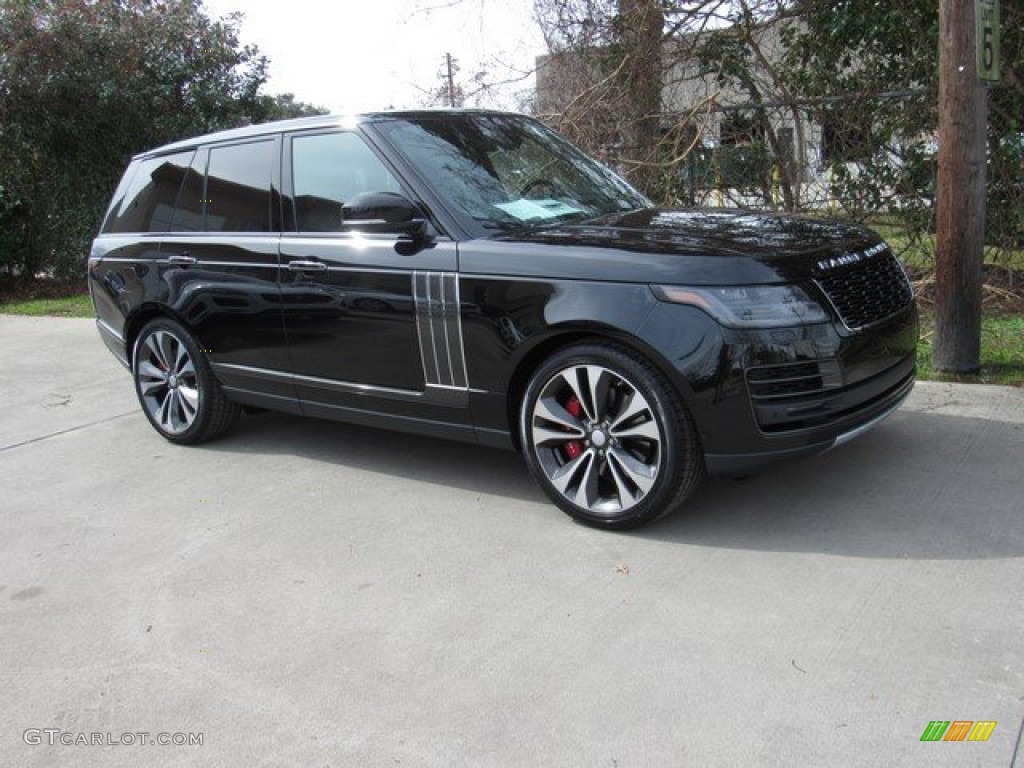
[[311, 594]]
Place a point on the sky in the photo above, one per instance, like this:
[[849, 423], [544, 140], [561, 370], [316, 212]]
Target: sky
[[374, 54]]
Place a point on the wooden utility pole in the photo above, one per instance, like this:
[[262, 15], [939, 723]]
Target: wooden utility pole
[[451, 80], [963, 118]]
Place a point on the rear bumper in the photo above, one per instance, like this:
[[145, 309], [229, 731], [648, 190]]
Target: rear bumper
[[114, 341]]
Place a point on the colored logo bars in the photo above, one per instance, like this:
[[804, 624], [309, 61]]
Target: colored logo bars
[[958, 730]]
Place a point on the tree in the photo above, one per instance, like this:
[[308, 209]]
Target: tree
[[866, 72], [864, 49], [606, 59], [612, 60], [739, 56], [281, 106], [84, 85], [638, 28]]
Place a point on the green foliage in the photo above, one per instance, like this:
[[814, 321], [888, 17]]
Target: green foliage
[[84, 85], [746, 167], [866, 46], [882, 60], [281, 106], [70, 306], [8, 222], [1002, 351]]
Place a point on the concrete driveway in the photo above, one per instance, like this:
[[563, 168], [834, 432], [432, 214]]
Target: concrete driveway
[[311, 594]]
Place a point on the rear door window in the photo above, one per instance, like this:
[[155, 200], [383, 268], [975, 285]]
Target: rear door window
[[188, 213], [238, 187]]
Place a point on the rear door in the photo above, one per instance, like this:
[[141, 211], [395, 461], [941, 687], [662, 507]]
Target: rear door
[[221, 257]]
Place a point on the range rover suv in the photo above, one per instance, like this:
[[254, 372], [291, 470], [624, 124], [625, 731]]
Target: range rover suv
[[472, 275]]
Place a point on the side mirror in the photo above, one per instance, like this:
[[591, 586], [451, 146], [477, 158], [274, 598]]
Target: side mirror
[[388, 213], [377, 208]]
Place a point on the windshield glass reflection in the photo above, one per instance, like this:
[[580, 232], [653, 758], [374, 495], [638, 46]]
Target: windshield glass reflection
[[509, 172]]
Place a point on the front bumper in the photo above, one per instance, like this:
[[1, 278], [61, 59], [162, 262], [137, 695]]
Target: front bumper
[[762, 396], [861, 418]]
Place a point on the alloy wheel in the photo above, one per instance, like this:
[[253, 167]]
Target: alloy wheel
[[597, 439], [167, 380]]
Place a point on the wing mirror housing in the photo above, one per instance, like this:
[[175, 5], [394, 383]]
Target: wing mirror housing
[[387, 213]]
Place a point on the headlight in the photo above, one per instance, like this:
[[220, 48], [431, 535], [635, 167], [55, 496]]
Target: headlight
[[749, 306]]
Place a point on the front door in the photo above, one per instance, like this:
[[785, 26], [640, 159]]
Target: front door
[[359, 306]]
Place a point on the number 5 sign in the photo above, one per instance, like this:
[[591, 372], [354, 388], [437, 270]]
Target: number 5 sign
[[986, 13]]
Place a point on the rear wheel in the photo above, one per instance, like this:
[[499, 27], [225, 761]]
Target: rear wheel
[[608, 438], [176, 387]]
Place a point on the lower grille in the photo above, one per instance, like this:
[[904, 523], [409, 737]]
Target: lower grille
[[799, 396], [772, 382], [868, 291]]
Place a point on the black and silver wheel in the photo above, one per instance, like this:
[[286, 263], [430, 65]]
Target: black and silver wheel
[[608, 438], [176, 388]]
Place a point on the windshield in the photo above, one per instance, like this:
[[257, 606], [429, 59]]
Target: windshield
[[508, 171]]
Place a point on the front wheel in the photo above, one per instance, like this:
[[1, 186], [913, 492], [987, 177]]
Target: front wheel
[[176, 387], [608, 438]]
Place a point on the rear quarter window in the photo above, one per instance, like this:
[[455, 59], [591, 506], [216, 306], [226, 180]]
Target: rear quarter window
[[146, 202]]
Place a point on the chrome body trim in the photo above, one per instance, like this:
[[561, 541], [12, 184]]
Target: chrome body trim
[[458, 329], [168, 261], [858, 431], [306, 265], [439, 327], [436, 394], [108, 328], [115, 342]]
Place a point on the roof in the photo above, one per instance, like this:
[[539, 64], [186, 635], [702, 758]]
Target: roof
[[317, 121]]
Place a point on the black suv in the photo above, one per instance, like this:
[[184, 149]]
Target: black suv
[[471, 275]]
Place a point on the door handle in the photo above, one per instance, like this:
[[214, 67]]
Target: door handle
[[181, 259], [307, 266]]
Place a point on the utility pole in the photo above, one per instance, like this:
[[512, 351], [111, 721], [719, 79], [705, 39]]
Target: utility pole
[[451, 80], [963, 118]]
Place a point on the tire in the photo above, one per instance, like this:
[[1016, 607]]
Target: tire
[[176, 386], [608, 438]]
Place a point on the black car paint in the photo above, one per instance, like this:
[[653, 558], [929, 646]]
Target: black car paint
[[304, 342]]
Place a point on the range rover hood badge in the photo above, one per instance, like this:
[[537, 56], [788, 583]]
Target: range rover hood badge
[[848, 259]]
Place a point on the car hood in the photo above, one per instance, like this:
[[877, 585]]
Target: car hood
[[697, 246]]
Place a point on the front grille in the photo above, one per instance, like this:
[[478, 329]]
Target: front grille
[[869, 291]]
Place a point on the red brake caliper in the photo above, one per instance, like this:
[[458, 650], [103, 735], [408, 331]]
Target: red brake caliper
[[573, 448]]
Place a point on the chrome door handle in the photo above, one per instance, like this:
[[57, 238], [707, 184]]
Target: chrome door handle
[[181, 259], [307, 266]]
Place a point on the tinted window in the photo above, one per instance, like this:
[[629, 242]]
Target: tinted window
[[330, 169], [509, 172], [238, 188], [147, 204], [188, 213]]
